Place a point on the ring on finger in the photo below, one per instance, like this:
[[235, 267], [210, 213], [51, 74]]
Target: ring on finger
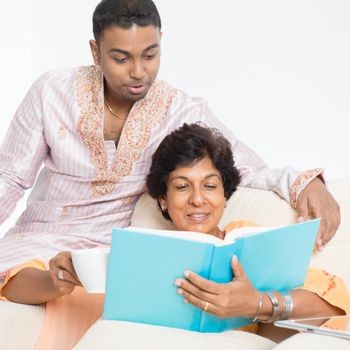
[[60, 275], [206, 306]]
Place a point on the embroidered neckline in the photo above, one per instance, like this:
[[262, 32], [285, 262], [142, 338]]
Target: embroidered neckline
[[135, 135]]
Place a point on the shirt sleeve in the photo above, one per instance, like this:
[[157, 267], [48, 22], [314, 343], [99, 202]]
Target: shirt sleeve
[[22, 151], [328, 287], [286, 182]]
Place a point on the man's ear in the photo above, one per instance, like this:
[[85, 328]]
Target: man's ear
[[95, 51]]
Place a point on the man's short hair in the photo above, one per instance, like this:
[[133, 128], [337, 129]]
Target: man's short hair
[[124, 14]]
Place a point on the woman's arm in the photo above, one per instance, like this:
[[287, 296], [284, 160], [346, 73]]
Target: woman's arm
[[35, 286], [240, 298], [306, 304]]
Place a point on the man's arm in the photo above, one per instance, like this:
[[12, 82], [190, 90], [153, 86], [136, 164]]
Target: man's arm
[[22, 152], [301, 189]]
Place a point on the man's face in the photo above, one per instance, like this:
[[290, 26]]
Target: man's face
[[129, 60]]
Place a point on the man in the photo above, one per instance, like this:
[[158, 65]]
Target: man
[[96, 128]]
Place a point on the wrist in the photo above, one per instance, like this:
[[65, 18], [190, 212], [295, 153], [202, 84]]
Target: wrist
[[53, 291]]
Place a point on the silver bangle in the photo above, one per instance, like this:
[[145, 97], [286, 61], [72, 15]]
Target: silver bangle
[[259, 308], [275, 306], [288, 306]]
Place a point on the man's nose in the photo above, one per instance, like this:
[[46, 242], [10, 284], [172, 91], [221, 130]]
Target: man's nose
[[137, 71]]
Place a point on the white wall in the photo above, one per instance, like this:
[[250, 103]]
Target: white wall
[[277, 72]]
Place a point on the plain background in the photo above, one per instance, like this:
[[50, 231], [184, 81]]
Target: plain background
[[276, 72]]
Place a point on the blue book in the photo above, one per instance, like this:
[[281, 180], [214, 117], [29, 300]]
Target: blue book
[[144, 264]]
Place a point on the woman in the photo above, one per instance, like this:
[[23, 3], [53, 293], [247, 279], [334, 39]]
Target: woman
[[192, 176]]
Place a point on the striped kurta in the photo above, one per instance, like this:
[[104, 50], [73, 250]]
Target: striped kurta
[[87, 185]]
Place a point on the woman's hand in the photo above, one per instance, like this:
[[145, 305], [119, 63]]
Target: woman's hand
[[236, 298], [63, 276], [315, 201]]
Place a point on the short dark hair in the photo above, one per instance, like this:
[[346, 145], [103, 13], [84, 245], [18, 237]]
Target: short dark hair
[[124, 13], [187, 145]]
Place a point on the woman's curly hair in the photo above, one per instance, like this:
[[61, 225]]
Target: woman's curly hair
[[187, 145]]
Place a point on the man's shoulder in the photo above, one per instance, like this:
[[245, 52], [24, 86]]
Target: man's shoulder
[[65, 79], [180, 94], [58, 74], [54, 78]]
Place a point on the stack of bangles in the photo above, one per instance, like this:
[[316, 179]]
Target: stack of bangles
[[277, 312]]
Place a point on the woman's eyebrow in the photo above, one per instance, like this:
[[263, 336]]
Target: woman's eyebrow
[[186, 178], [211, 175]]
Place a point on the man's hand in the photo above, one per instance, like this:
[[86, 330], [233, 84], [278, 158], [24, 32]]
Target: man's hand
[[315, 201]]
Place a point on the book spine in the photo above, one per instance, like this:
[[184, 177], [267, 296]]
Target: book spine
[[205, 273]]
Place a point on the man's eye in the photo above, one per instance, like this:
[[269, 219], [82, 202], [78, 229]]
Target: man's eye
[[120, 60], [149, 57]]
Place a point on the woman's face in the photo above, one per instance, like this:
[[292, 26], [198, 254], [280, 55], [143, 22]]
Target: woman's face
[[195, 197]]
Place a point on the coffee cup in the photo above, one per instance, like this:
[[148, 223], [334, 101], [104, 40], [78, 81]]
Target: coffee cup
[[90, 266]]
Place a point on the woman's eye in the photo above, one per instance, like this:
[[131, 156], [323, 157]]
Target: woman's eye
[[149, 57], [181, 187]]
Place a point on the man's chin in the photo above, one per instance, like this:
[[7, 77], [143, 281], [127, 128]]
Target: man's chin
[[136, 97]]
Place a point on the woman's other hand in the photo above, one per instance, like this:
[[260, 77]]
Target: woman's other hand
[[236, 298], [315, 201], [62, 273]]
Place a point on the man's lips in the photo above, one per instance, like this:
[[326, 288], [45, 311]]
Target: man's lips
[[136, 89]]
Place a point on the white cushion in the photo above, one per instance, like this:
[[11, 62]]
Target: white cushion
[[20, 325], [110, 335]]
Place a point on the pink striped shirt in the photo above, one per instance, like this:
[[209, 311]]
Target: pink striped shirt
[[87, 186]]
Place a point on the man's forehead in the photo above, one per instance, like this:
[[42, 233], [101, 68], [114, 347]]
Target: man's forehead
[[127, 39]]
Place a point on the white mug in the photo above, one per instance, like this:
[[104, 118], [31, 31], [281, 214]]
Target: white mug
[[91, 267]]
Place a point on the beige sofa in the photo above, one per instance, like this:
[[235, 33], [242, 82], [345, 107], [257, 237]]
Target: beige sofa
[[20, 324]]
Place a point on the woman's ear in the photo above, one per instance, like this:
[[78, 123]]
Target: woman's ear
[[95, 51], [163, 203]]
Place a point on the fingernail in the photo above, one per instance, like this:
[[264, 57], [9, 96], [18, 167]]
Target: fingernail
[[178, 282], [180, 291], [186, 301], [187, 274], [235, 259], [300, 218]]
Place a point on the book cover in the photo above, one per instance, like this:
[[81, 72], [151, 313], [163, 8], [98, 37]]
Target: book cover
[[144, 264]]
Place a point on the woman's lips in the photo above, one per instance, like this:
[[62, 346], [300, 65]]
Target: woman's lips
[[136, 89], [198, 217]]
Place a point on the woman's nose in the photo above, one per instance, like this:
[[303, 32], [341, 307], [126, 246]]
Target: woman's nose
[[197, 198]]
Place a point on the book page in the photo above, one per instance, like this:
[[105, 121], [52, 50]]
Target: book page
[[203, 237], [246, 231], [188, 235]]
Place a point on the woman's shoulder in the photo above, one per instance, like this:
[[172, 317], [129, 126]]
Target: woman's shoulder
[[239, 223]]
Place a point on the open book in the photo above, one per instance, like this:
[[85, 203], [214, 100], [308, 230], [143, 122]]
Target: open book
[[144, 264]]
